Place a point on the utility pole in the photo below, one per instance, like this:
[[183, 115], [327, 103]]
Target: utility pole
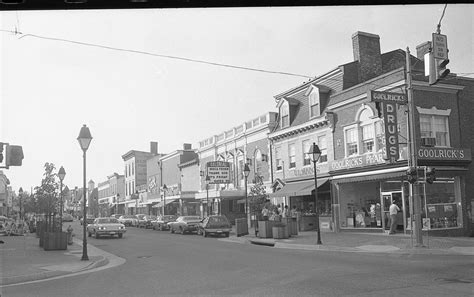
[[412, 162]]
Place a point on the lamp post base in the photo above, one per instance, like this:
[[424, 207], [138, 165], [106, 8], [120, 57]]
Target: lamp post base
[[84, 258]]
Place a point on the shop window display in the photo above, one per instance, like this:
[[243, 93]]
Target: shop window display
[[360, 205], [441, 206]]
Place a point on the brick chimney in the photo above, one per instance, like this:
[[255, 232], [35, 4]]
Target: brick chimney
[[422, 49], [154, 147], [187, 146], [366, 47]]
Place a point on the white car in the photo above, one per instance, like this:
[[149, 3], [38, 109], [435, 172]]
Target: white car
[[106, 226], [128, 220]]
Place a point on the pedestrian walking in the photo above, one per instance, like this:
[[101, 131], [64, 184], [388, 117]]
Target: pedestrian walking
[[285, 213], [393, 210], [265, 213]]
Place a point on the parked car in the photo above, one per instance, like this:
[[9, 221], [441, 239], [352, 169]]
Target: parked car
[[145, 222], [185, 224], [67, 218], [128, 220], [161, 222], [106, 226], [89, 219], [216, 225], [117, 216], [141, 218]]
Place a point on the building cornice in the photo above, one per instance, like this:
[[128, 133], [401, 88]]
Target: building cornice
[[307, 126]]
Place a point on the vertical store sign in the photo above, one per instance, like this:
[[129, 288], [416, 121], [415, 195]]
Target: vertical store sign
[[440, 46], [389, 103]]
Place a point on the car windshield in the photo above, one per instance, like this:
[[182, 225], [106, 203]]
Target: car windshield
[[129, 217], [191, 218], [218, 220], [140, 216], [107, 221]]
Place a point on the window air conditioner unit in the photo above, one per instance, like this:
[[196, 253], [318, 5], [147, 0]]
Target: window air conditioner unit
[[428, 141]]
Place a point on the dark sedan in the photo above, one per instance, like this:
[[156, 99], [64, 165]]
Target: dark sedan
[[216, 225]]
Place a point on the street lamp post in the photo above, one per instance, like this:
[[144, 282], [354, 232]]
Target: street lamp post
[[164, 198], [246, 175], [208, 179], [20, 194], [84, 139], [61, 175], [116, 202], [314, 154]]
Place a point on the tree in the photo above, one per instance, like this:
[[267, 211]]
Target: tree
[[47, 194], [258, 196]]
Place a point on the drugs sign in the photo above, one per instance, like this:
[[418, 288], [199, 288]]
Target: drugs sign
[[218, 172]]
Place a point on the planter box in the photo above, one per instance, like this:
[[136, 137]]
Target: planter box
[[55, 241], [241, 227], [280, 232], [265, 229]]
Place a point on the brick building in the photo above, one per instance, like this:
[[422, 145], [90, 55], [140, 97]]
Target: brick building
[[334, 111]]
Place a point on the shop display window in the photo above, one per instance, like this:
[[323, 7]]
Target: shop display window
[[360, 205], [440, 208]]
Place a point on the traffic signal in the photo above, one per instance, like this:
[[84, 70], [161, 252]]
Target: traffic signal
[[435, 69], [412, 175], [430, 175], [441, 70]]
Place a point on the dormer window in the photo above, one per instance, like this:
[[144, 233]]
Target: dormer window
[[285, 115], [314, 105]]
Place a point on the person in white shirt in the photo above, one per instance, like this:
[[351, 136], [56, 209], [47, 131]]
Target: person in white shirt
[[393, 210]]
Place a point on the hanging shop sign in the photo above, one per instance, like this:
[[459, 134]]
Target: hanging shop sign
[[218, 172], [388, 102]]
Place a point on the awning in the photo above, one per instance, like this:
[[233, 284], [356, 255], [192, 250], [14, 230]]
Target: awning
[[299, 188], [168, 201], [371, 176]]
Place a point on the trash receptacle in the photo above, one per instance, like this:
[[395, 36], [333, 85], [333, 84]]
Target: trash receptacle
[[241, 227], [69, 235]]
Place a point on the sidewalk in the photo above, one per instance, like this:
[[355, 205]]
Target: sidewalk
[[364, 242], [23, 260]]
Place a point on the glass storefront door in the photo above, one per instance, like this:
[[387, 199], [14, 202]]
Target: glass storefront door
[[386, 200]]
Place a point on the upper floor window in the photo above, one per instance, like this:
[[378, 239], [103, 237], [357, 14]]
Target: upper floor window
[[258, 162], [322, 144], [133, 168], [278, 161], [435, 126], [292, 155], [126, 172], [351, 142], [285, 115], [306, 146], [314, 103], [366, 136]]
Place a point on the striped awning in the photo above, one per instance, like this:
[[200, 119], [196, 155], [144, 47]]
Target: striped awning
[[301, 188]]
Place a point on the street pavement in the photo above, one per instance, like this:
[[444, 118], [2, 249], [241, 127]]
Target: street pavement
[[24, 261]]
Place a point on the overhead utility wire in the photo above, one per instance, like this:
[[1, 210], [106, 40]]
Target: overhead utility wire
[[155, 55]]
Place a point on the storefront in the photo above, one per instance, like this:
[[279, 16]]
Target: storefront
[[362, 200], [300, 195]]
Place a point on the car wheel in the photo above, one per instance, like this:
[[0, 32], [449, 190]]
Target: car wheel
[[198, 232], [97, 236], [120, 235], [204, 233], [171, 230], [181, 230], [89, 234], [226, 234], [162, 228]]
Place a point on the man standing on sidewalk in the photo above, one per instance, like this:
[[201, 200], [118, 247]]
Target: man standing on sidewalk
[[394, 209]]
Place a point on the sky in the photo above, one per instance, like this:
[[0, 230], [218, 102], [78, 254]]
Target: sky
[[50, 88]]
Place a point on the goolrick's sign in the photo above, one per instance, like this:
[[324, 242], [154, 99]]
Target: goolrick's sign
[[388, 102], [355, 162], [444, 154]]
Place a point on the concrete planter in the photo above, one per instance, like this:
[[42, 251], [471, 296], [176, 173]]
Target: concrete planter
[[265, 229], [280, 232], [55, 241], [241, 226]]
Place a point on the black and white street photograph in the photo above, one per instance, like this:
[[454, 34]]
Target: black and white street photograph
[[158, 148]]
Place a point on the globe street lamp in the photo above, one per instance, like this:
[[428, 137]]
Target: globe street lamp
[[20, 193], [164, 198], [314, 154], [208, 180], [84, 139], [246, 175], [61, 175]]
